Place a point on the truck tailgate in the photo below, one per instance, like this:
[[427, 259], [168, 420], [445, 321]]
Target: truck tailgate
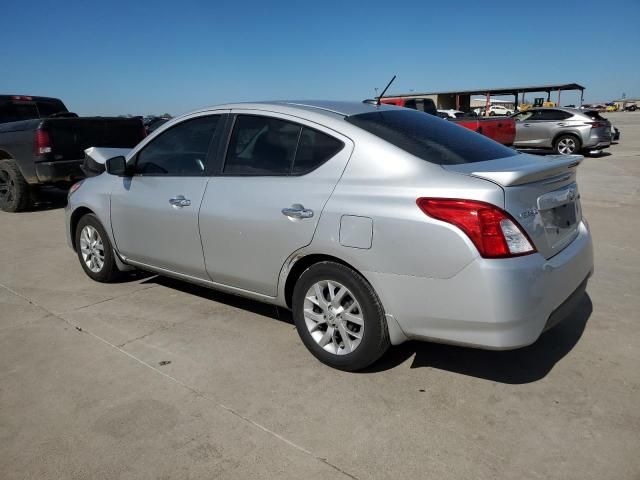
[[71, 136], [500, 129]]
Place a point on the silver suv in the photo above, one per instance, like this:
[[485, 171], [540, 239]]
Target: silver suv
[[565, 130], [373, 224]]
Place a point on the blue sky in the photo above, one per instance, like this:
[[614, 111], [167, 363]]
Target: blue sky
[[143, 57]]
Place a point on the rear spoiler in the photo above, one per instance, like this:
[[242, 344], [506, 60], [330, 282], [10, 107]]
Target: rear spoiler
[[521, 169]]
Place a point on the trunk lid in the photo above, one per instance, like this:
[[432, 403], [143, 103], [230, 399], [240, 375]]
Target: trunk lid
[[71, 136], [541, 193]]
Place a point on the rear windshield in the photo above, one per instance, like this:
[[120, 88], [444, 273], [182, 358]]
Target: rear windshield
[[16, 110], [430, 138], [592, 114]]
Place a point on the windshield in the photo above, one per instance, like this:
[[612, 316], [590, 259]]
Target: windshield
[[430, 138]]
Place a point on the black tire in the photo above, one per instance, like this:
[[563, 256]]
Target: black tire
[[15, 195], [109, 270], [563, 141], [375, 338]]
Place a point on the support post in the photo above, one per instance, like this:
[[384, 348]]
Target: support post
[[487, 105], [558, 104], [515, 105]]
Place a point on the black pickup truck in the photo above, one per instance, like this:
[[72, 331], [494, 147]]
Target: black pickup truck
[[42, 143]]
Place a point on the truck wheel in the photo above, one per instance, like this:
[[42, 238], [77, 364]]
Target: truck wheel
[[567, 145], [14, 189]]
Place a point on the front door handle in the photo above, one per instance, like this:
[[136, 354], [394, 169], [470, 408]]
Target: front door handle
[[297, 211], [179, 201]]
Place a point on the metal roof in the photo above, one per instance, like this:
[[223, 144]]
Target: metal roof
[[498, 91]]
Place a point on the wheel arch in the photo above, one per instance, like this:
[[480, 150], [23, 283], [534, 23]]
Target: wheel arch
[[77, 214], [396, 334], [301, 265], [565, 133], [4, 155]]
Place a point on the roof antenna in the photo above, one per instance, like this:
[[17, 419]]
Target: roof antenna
[[385, 90]]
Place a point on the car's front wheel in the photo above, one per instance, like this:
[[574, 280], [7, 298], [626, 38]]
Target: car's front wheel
[[339, 317], [95, 251]]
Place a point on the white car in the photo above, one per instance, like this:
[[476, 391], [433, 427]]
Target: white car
[[495, 110], [451, 113]]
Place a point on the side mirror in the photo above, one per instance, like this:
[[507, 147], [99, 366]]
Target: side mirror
[[116, 166]]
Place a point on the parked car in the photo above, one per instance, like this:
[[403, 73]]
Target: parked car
[[501, 130], [42, 143], [426, 105], [565, 130], [452, 113], [374, 224], [632, 107], [495, 110]]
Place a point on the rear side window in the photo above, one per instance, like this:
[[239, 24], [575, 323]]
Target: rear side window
[[592, 114], [551, 115], [270, 146], [16, 110], [180, 151], [314, 149], [430, 138]]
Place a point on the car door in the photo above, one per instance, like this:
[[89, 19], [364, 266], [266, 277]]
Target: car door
[[527, 128], [276, 176], [154, 212]]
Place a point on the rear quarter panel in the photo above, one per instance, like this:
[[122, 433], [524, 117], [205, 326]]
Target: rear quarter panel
[[381, 182]]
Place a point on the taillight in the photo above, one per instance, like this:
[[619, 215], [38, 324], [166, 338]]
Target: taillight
[[597, 124], [492, 230], [42, 143]]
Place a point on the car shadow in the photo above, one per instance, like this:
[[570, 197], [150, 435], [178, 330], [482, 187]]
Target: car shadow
[[524, 365], [49, 198], [254, 306]]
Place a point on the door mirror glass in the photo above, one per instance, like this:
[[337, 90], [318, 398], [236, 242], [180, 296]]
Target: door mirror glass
[[116, 166]]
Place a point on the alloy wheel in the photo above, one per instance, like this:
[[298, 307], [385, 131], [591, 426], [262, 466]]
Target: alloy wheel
[[566, 146], [333, 317], [92, 248]]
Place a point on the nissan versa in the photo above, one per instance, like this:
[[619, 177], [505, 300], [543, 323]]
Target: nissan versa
[[374, 224]]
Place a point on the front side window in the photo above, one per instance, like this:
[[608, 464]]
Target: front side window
[[181, 150], [522, 116], [429, 138], [270, 146], [551, 115]]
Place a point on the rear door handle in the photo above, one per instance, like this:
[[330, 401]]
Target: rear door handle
[[297, 211], [526, 125], [179, 201]]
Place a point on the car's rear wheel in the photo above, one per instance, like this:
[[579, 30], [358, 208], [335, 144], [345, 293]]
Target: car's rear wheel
[[567, 145], [14, 189], [339, 316], [95, 251]]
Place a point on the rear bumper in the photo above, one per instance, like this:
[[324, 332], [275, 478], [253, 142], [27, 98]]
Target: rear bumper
[[492, 303], [597, 140], [67, 171]]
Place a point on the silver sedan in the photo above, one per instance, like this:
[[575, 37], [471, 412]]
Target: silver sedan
[[373, 224]]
